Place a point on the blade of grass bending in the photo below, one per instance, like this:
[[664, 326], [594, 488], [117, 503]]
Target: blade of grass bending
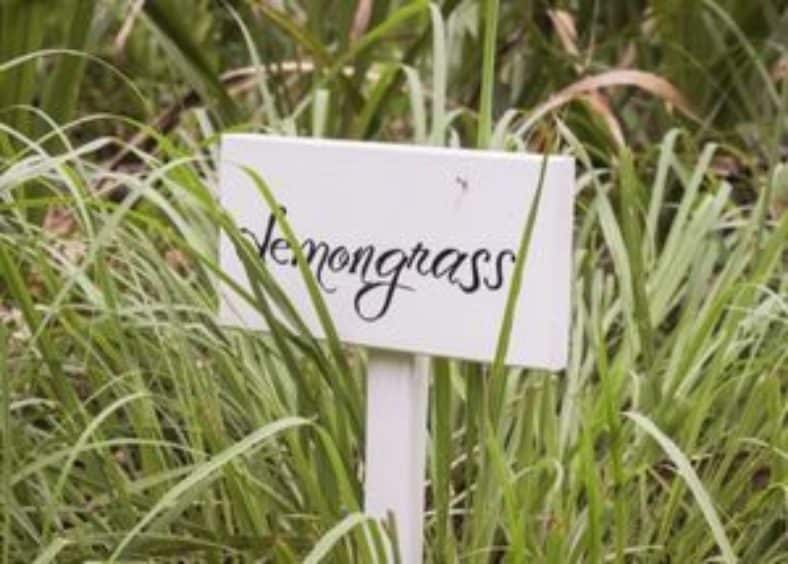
[[266, 287], [504, 334], [49, 518], [278, 330], [687, 472], [55, 459], [204, 471], [767, 82], [340, 365], [397, 18], [248, 256], [343, 478], [301, 36], [303, 266], [10, 65], [102, 238], [50, 552], [327, 542]]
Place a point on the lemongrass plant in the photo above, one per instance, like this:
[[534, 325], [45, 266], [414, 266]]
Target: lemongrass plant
[[134, 428]]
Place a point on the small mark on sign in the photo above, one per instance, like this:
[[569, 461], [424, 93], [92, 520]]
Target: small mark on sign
[[464, 185]]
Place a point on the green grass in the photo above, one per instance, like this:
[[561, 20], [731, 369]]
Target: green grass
[[136, 429]]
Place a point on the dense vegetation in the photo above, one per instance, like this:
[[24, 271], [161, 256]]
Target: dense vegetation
[[136, 429]]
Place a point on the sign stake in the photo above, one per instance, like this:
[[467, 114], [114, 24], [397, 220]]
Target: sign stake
[[396, 444]]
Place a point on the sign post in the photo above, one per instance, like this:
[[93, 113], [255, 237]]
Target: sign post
[[413, 249], [396, 445]]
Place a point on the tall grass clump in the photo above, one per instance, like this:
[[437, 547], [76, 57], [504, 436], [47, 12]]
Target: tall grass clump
[[134, 428]]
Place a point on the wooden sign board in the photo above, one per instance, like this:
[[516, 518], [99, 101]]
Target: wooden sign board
[[413, 247]]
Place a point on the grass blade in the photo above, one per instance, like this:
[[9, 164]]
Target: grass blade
[[51, 551], [491, 8], [205, 471], [632, 232], [60, 97], [504, 334], [690, 477], [172, 29], [327, 542]]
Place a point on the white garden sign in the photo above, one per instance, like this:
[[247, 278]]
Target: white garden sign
[[413, 249]]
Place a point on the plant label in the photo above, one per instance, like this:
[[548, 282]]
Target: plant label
[[413, 248]]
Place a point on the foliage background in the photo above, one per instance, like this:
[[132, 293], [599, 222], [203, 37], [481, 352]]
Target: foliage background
[[135, 429]]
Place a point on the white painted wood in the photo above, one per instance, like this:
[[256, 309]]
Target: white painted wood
[[396, 444], [349, 195]]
